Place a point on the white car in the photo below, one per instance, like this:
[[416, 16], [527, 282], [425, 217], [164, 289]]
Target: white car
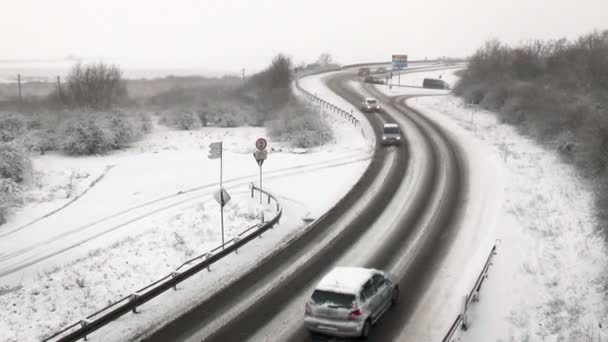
[[370, 104], [348, 300]]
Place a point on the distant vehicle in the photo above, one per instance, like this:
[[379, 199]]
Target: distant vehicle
[[435, 83], [381, 70], [363, 71], [391, 134], [372, 79], [348, 300], [370, 104]]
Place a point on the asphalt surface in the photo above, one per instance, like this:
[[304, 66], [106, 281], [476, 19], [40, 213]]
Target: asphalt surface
[[411, 248]]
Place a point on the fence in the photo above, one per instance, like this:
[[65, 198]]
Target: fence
[[328, 105], [473, 296], [189, 268]]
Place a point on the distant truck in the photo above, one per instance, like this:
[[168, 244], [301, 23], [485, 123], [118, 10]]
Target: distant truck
[[435, 83]]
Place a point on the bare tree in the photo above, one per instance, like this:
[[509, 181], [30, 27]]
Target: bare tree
[[325, 59], [97, 86]]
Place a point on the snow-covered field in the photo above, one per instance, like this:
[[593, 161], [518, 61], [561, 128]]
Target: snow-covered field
[[98, 228], [547, 281]]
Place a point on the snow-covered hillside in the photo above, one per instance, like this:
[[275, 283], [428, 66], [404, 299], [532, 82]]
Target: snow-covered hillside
[[547, 280]]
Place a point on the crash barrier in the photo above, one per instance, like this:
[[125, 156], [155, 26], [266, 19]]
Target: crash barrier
[[327, 105], [330, 106], [131, 302], [461, 320]]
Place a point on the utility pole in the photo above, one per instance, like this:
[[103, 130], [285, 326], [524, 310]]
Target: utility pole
[[243, 73], [19, 85], [59, 88]]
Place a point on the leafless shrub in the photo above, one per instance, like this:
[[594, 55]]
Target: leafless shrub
[[183, 119], [555, 91], [80, 282], [300, 125], [97, 86]]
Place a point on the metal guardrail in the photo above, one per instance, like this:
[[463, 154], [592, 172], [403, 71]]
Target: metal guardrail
[[461, 320], [128, 303], [328, 105]]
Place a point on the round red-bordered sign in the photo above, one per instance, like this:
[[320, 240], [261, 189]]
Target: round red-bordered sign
[[261, 144]]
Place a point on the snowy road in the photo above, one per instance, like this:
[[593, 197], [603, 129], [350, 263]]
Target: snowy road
[[396, 218]]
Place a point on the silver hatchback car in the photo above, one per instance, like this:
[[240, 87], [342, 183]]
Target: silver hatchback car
[[348, 300]]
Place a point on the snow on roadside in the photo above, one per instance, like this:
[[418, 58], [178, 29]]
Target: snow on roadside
[[165, 163], [546, 281], [66, 294]]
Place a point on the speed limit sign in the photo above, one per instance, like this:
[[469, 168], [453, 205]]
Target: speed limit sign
[[261, 144]]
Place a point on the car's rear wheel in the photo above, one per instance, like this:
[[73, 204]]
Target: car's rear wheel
[[395, 297], [365, 330]]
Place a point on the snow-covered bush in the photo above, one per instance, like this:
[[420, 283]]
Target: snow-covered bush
[[122, 128], [96, 133], [10, 196], [300, 125], [181, 119], [11, 126], [39, 140], [15, 164], [86, 136]]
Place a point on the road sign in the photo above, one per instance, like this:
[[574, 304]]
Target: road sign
[[260, 156], [222, 197], [261, 144], [215, 150], [399, 61]]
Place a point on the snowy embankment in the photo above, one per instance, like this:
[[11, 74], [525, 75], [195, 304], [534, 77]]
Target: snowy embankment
[[149, 213], [546, 282]]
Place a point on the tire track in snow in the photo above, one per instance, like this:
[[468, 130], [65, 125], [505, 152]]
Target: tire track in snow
[[349, 159]]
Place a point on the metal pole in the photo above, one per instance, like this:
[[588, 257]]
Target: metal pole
[[222, 217], [260, 184], [399, 77], [222, 190], [19, 85]]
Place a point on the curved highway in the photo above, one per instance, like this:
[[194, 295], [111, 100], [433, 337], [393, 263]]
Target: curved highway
[[397, 218]]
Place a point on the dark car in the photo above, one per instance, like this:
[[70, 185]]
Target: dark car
[[363, 72], [381, 70], [435, 83], [372, 79]]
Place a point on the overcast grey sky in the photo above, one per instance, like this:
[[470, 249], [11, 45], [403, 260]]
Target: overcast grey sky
[[231, 34]]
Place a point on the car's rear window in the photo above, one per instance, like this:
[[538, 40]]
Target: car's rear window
[[391, 130], [333, 299]]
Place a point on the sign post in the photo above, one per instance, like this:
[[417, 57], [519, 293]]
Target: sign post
[[399, 63], [221, 196], [260, 155]]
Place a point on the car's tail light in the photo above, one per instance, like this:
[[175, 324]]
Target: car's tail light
[[308, 309], [355, 314]]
